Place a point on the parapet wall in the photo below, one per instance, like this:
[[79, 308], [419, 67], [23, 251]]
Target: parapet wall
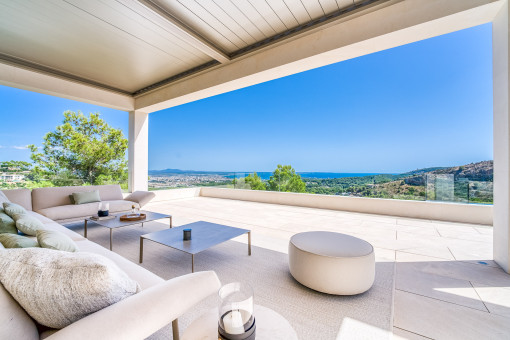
[[451, 212]]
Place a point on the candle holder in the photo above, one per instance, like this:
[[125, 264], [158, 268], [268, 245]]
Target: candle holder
[[186, 234], [103, 209], [236, 320]]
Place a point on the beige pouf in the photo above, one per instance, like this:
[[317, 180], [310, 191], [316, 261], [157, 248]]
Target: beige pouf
[[331, 262]]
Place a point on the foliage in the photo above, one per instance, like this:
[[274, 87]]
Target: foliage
[[255, 182], [285, 179], [83, 150], [15, 166]]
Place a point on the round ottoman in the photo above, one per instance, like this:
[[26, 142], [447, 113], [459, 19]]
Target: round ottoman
[[332, 263]]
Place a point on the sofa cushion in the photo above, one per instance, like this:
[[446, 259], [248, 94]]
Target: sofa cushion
[[21, 196], [27, 224], [81, 211], [1, 247], [43, 198], [52, 225], [144, 277], [7, 223], [16, 323], [13, 209], [3, 198], [86, 197], [17, 241], [57, 288], [56, 240], [40, 217], [59, 227]]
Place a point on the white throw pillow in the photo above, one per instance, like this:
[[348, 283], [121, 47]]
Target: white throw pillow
[[57, 288]]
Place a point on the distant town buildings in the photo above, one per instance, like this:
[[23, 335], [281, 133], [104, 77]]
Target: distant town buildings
[[11, 177], [186, 181]]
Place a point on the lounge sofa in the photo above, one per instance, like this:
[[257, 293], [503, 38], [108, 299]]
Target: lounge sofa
[[158, 304], [55, 202]]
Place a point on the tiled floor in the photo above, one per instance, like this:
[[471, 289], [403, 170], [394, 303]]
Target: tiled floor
[[446, 286]]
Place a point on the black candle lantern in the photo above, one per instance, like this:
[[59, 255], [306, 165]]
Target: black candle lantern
[[186, 234], [236, 320], [103, 209]]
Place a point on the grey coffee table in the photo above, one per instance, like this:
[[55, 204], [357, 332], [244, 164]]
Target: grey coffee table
[[204, 235], [117, 223]]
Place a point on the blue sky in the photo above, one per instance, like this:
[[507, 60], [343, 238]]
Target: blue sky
[[424, 104]]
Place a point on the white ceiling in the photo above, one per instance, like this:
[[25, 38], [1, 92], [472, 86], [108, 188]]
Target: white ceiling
[[129, 45], [236, 24]]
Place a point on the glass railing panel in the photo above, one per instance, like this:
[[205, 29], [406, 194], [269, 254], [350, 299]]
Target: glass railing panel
[[481, 192]]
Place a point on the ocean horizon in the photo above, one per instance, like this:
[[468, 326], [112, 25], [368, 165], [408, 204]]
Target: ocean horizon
[[263, 174]]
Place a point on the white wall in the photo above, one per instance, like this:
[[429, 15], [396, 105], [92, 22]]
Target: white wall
[[501, 88], [452, 212], [138, 151], [175, 194]]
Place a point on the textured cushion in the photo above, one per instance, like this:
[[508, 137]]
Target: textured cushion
[[17, 241], [57, 288], [56, 240], [86, 197], [145, 278], [141, 197], [28, 224], [43, 198], [70, 212], [7, 224], [13, 209], [3, 198]]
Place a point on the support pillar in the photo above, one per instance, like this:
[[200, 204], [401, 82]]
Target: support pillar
[[138, 151], [501, 75]]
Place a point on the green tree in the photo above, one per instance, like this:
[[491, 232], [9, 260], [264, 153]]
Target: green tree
[[15, 166], [255, 182], [83, 148], [284, 178]]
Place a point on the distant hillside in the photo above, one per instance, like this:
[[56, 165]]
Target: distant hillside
[[421, 171], [481, 171]]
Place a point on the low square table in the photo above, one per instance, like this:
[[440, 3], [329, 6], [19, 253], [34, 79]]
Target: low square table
[[114, 223], [204, 235]]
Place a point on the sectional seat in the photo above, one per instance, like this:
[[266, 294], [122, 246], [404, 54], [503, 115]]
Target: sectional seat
[[55, 202], [159, 303]]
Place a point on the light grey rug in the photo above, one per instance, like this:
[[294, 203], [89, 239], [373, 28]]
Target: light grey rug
[[313, 315]]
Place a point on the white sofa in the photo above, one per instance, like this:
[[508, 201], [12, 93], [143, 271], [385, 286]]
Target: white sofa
[[55, 202], [158, 304]]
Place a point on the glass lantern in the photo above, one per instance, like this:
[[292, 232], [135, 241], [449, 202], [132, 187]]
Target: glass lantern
[[235, 319]]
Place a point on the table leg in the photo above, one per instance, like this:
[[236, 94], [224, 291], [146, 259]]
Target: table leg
[[141, 249], [192, 263], [142, 224], [175, 329], [111, 236], [170, 221], [85, 232], [249, 243]]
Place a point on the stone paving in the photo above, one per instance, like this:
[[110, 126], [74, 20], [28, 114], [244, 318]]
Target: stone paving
[[446, 284]]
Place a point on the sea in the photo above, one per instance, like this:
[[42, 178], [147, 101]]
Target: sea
[[266, 175], [263, 174]]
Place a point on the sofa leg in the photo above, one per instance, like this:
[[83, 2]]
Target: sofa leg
[[175, 329]]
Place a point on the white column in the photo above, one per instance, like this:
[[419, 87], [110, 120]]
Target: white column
[[138, 155], [500, 44]]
